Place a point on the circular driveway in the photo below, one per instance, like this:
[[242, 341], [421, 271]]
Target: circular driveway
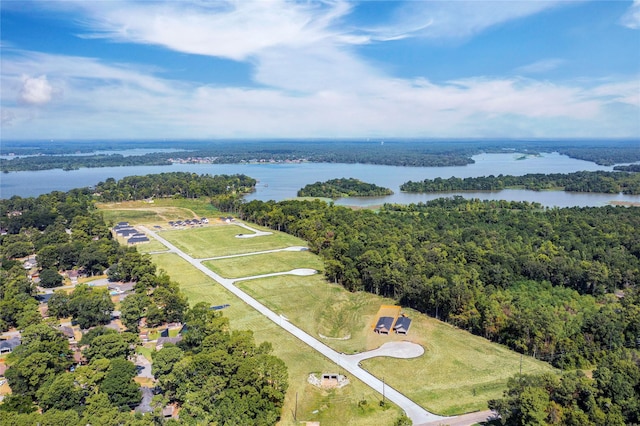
[[392, 350]]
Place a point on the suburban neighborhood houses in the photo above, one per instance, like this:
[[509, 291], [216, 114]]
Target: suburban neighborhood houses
[[129, 233]]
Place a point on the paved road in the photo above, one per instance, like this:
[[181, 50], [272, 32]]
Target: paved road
[[415, 412], [292, 248], [466, 419]]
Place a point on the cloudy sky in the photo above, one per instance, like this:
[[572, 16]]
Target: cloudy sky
[[315, 69]]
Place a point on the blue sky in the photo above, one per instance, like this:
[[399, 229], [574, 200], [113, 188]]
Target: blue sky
[[319, 69]]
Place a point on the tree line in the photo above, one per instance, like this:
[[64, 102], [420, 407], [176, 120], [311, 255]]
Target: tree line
[[75, 162], [628, 168], [345, 187], [598, 181], [612, 397]]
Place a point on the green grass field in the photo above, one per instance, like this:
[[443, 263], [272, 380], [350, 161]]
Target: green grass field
[[458, 373], [333, 406], [267, 263], [220, 240], [151, 246]]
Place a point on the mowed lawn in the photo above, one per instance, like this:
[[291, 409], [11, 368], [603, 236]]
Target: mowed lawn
[[339, 406], [220, 240], [265, 263], [458, 373]]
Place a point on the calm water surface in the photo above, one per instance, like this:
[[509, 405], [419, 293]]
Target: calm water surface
[[282, 181]]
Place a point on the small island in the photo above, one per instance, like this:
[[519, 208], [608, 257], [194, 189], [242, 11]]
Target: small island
[[339, 188]]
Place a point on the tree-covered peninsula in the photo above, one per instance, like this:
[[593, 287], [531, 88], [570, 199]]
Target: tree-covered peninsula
[[599, 181], [173, 185], [345, 187]]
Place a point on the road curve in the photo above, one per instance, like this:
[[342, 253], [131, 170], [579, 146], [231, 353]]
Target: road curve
[[415, 412]]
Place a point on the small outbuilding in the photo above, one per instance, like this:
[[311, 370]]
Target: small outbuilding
[[127, 232], [136, 240], [384, 325], [402, 325]]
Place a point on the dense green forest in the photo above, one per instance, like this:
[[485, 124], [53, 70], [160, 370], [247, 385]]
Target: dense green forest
[[393, 152], [239, 382], [337, 188], [612, 397], [174, 184], [599, 181], [539, 281]]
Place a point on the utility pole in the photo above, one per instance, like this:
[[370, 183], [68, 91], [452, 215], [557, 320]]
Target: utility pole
[[295, 412], [383, 402], [521, 367], [520, 378]]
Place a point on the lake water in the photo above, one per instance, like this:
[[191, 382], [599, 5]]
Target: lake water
[[282, 181]]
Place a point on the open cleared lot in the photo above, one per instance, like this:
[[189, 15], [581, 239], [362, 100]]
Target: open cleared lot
[[266, 263], [151, 246], [220, 240], [338, 406], [158, 212], [458, 373]]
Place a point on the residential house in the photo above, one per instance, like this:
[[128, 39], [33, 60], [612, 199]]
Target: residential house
[[7, 346], [402, 325], [164, 340], [384, 325], [137, 240]]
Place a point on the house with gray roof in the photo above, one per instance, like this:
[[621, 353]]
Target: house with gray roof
[[384, 325], [402, 325], [7, 346]]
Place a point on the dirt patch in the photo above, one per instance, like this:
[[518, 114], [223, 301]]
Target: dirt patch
[[386, 311]]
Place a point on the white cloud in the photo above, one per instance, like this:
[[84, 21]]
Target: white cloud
[[119, 101], [36, 90], [459, 19], [631, 18], [540, 67], [626, 92], [312, 82], [229, 29], [7, 117]]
